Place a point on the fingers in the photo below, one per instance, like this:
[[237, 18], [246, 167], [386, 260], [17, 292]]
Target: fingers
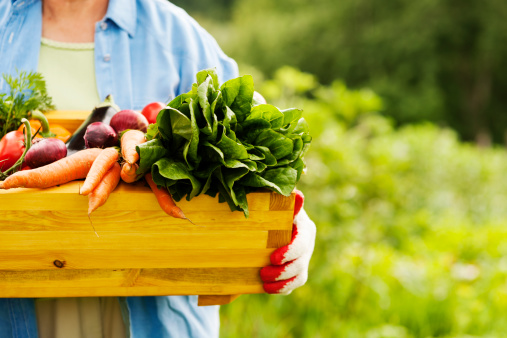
[[274, 273], [298, 202], [278, 256], [303, 241], [285, 287], [289, 269]]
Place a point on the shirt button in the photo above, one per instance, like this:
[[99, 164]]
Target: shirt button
[[107, 57], [103, 25]]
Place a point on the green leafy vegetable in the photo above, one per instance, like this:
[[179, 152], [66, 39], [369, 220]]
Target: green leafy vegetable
[[27, 93], [215, 140]]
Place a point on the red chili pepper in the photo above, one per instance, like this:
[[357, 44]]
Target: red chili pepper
[[12, 147]]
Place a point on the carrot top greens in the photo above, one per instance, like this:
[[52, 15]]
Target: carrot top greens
[[27, 92], [216, 140]]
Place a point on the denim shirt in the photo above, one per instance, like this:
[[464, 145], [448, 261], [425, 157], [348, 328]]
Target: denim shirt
[[145, 51]]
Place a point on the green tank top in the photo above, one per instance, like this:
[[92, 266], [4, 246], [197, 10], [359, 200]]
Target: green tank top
[[69, 71]]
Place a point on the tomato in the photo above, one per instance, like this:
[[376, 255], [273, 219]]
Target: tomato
[[151, 111], [12, 147]]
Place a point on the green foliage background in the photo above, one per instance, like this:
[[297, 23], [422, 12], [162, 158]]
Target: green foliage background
[[443, 61], [411, 235]]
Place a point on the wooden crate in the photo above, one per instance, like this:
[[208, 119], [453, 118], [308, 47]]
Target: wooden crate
[[49, 248]]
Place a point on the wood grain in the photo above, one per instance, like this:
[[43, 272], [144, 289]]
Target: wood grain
[[280, 202], [129, 277], [141, 221], [278, 238], [133, 259], [177, 290], [121, 241], [215, 300], [135, 196], [122, 282]]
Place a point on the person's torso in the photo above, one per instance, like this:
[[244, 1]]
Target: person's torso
[[145, 51]]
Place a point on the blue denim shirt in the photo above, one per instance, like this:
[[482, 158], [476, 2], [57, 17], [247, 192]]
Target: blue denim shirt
[[145, 51]]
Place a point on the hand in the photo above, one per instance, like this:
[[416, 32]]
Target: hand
[[289, 269]]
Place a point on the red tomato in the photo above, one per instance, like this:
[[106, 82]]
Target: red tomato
[[151, 111], [12, 147]]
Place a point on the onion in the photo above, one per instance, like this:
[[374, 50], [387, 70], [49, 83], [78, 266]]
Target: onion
[[45, 151], [100, 135], [129, 119]]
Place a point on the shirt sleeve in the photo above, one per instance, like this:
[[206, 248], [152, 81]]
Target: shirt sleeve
[[203, 52], [5, 7]]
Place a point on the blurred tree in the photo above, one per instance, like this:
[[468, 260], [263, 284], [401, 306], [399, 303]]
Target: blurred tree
[[437, 60], [216, 9]]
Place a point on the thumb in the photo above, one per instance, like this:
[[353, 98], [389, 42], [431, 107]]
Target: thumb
[[298, 202]]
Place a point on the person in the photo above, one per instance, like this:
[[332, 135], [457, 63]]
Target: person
[[140, 51]]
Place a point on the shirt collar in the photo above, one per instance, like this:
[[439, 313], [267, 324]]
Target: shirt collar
[[124, 14], [20, 4]]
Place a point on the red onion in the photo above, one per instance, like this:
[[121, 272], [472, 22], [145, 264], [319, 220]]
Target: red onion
[[45, 151], [129, 119], [100, 135]]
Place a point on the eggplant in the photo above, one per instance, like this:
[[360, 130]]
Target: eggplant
[[101, 113]]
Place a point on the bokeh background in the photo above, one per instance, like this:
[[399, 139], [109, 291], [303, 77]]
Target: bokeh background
[[407, 104]]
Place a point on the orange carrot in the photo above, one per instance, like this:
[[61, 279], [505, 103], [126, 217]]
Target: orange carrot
[[101, 193], [128, 172], [100, 166], [62, 171], [129, 141], [164, 199]]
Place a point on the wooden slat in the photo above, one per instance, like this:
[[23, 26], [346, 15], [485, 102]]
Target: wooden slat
[[245, 276], [125, 282], [128, 277], [280, 202], [41, 292], [66, 197], [215, 300], [118, 241], [70, 120], [278, 238], [132, 259], [141, 221]]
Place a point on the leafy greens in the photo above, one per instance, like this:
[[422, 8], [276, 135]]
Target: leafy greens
[[27, 93], [214, 140]]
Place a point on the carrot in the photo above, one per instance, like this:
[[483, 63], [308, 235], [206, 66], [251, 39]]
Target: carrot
[[100, 194], [129, 141], [62, 171], [164, 199], [128, 172], [99, 168]]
